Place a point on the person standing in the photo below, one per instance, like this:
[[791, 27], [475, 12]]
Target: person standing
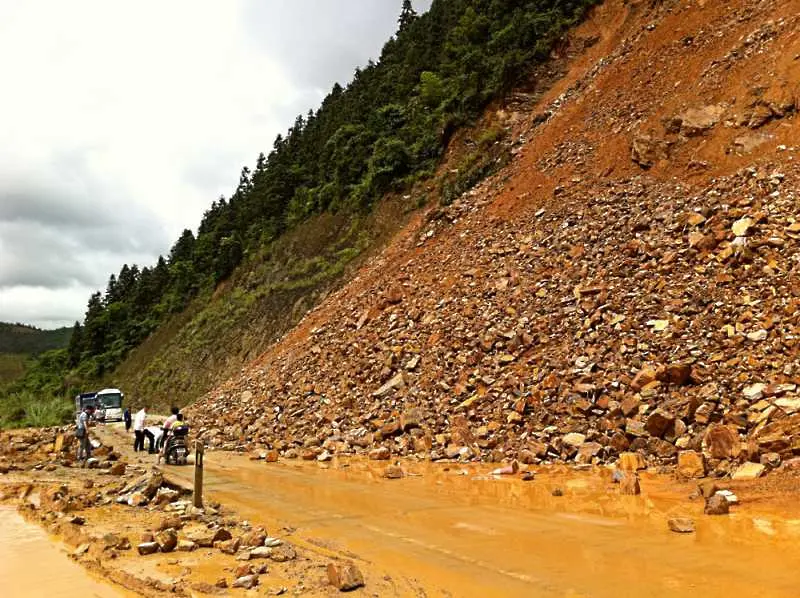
[[127, 419], [138, 429], [82, 433]]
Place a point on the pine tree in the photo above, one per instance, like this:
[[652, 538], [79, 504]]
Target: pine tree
[[407, 16]]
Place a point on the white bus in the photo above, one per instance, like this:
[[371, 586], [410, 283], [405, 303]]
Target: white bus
[[109, 402]]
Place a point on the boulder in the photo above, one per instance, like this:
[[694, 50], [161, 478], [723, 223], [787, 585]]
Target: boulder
[[691, 464], [721, 442], [749, 471], [658, 422], [717, 505], [345, 577]]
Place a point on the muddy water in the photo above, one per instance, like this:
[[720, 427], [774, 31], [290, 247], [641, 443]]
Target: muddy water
[[30, 565], [461, 532]]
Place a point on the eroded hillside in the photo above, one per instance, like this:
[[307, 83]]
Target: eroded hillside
[[629, 282]]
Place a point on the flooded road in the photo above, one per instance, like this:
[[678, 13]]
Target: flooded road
[[456, 531], [31, 565]]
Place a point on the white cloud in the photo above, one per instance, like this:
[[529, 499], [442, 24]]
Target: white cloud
[[122, 121]]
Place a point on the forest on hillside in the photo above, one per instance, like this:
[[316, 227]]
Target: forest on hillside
[[385, 130], [29, 340]]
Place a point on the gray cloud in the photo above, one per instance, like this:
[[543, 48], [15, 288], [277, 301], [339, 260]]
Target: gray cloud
[[320, 42], [117, 145]]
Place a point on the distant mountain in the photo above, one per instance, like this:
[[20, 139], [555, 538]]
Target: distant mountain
[[29, 340]]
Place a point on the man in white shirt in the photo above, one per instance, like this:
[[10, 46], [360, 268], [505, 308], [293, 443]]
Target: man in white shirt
[[138, 429], [153, 435]]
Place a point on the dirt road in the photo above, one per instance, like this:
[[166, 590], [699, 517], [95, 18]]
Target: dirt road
[[452, 530]]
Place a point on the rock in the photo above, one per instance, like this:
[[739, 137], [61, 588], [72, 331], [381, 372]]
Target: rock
[[691, 464], [574, 439], [707, 488], [221, 535], [658, 422], [557, 492], [729, 496], [393, 472], [253, 539], [283, 553], [272, 456], [588, 451], [186, 546], [154, 482], [771, 460], [81, 550], [137, 499], [228, 546], [345, 576], [681, 525], [749, 471], [387, 389], [248, 582], [629, 484], [742, 226], [167, 540], [631, 462], [411, 419], [170, 522], [721, 442], [679, 374], [118, 468], [262, 552], [146, 548], [696, 121], [716, 505], [644, 377], [380, 454], [646, 150]]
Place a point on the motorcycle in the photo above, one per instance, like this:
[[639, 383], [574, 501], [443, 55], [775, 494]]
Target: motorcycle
[[177, 449]]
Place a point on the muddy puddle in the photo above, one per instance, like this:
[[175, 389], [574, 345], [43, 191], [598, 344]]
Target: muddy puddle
[[459, 531], [32, 565]]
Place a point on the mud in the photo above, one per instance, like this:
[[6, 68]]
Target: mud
[[26, 552], [455, 530]]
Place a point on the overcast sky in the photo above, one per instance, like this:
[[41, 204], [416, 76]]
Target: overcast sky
[[122, 121]]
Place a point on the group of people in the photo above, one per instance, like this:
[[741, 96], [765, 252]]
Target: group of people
[[157, 436]]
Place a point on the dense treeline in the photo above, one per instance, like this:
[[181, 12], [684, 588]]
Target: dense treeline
[[28, 340], [385, 130]]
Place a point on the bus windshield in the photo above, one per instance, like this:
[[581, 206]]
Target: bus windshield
[[111, 401]]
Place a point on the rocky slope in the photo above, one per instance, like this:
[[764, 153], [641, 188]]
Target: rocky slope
[[629, 283]]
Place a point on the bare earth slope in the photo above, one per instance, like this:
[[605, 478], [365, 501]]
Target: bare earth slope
[[629, 282]]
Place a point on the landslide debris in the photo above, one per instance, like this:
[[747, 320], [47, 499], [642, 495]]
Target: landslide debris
[[630, 284]]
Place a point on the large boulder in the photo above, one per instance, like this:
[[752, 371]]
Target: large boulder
[[691, 464], [721, 442]]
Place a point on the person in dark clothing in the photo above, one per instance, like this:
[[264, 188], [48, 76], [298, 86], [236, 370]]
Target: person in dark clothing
[[127, 418]]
